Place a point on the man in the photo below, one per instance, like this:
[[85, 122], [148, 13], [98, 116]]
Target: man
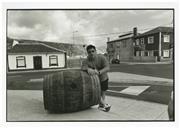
[[96, 64]]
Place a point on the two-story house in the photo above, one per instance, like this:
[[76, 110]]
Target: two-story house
[[157, 42], [122, 48]]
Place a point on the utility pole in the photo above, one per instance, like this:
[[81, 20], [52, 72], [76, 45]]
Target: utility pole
[[73, 41]]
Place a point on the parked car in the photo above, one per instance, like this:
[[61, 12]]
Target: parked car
[[115, 61]]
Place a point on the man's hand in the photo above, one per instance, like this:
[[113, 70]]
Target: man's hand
[[92, 71]]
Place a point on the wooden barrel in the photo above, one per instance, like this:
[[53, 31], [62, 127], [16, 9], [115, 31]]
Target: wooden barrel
[[70, 90]]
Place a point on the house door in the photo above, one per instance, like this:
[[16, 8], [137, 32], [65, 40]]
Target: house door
[[37, 62]]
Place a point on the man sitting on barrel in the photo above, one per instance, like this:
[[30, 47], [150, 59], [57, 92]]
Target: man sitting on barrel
[[96, 64]]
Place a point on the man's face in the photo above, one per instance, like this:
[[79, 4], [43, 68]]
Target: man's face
[[91, 52]]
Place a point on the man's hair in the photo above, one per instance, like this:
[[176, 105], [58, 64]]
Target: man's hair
[[90, 47]]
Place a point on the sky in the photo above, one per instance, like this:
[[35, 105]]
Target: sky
[[82, 26]]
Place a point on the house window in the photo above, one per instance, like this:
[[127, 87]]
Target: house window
[[142, 40], [142, 53], [150, 40], [137, 41], [137, 53], [166, 53], [150, 53], [166, 38], [53, 60], [20, 61]]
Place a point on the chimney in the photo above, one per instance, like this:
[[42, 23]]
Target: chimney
[[108, 39], [14, 43], [135, 31]]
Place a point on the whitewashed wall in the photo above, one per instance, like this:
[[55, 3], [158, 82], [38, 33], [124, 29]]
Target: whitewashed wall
[[30, 63]]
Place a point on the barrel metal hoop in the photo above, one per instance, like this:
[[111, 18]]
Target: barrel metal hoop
[[97, 88]]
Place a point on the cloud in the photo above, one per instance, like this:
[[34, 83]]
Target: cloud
[[58, 25], [16, 32], [28, 18], [163, 15]]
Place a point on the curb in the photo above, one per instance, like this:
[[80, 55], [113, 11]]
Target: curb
[[155, 93]]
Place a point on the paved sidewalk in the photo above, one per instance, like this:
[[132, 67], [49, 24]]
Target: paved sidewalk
[[28, 106]]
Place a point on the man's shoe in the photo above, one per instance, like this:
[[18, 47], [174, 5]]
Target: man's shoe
[[105, 108], [102, 108]]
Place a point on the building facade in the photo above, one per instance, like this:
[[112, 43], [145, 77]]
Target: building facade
[[121, 48], [157, 43], [36, 56]]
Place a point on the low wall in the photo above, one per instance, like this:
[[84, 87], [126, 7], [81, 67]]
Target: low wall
[[165, 59], [144, 58]]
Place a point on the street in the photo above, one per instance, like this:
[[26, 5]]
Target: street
[[127, 85], [156, 70]]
